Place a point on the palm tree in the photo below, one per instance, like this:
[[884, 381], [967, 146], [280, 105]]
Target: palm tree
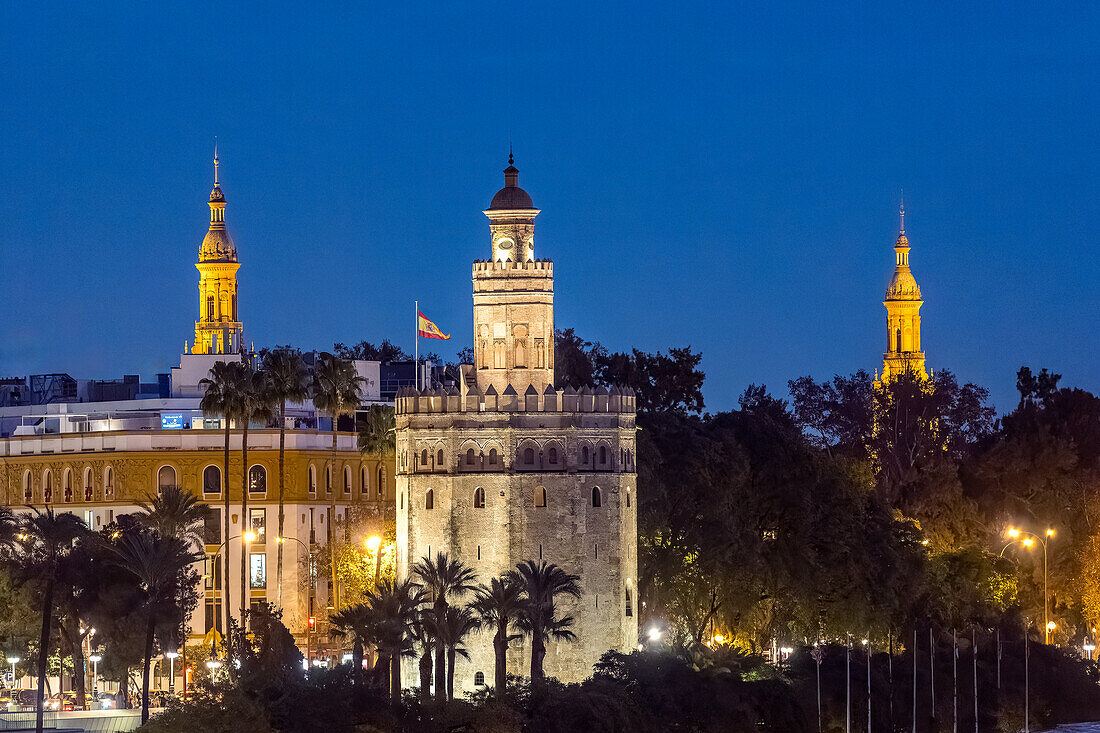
[[220, 398], [378, 434], [253, 403], [542, 583], [173, 512], [45, 539], [443, 577], [423, 633], [457, 624], [499, 606], [286, 380], [336, 390], [354, 622], [156, 561], [9, 527], [394, 608]]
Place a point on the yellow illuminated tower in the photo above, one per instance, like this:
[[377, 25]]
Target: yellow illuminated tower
[[218, 330], [903, 302]]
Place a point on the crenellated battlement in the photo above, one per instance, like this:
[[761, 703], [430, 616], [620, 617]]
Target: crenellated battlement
[[543, 268], [588, 400]]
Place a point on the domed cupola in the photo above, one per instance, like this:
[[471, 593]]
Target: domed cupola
[[512, 219], [217, 246], [511, 197]]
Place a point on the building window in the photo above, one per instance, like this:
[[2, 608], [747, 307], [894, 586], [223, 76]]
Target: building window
[[212, 526], [312, 480], [213, 614], [540, 497], [479, 498], [381, 482], [529, 456], [364, 485], [424, 459], [47, 486], [596, 498], [628, 498], [603, 455], [257, 480], [429, 499], [479, 679], [470, 459], [629, 606], [213, 575], [211, 480], [492, 456], [166, 477], [347, 479], [257, 575], [584, 454], [328, 479], [28, 492], [401, 501], [108, 483], [67, 486], [89, 491], [552, 455], [439, 459], [257, 522]]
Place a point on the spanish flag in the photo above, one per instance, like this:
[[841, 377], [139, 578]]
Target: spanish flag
[[428, 330]]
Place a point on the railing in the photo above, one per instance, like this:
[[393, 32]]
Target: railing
[[26, 720]]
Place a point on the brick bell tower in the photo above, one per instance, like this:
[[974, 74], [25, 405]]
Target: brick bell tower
[[513, 297]]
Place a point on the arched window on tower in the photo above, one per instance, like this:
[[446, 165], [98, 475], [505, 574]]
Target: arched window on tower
[[424, 460], [479, 498], [597, 500], [603, 455], [897, 340], [439, 459], [328, 479], [470, 457], [552, 455], [347, 479], [529, 456], [492, 456], [540, 497], [479, 679], [429, 499], [629, 603], [210, 308], [313, 479], [584, 455]]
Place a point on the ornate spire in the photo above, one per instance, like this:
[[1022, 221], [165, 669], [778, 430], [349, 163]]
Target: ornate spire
[[216, 183], [902, 211], [217, 245]]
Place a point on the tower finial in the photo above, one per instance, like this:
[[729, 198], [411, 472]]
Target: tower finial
[[901, 211], [511, 158], [216, 160]]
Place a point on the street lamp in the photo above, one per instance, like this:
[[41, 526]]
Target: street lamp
[[171, 672], [94, 659], [1028, 540], [1089, 648], [213, 665], [13, 661], [654, 634]]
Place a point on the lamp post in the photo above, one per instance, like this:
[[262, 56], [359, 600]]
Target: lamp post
[[1027, 539], [94, 659], [213, 665], [171, 672], [374, 544], [248, 536], [309, 581], [13, 661]]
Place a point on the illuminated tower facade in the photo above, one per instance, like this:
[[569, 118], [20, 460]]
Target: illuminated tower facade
[[218, 330], [513, 297], [903, 302]]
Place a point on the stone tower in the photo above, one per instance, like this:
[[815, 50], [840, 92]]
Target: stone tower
[[903, 302], [218, 330], [505, 467]]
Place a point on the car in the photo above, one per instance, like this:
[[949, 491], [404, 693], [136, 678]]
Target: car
[[24, 699], [107, 701]]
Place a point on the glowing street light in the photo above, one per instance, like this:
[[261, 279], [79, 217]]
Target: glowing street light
[[94, 659], [1029, 540], [719, 639], [373, 543], [1089, 648], [171, 672], [654, 634], [13, 661]]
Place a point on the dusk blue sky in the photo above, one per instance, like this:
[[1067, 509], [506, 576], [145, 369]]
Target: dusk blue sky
[[720, 175]]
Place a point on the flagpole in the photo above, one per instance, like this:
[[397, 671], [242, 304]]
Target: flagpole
[[416, 349]]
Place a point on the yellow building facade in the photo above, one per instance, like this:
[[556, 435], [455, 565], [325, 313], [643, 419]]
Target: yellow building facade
[[903, 302]]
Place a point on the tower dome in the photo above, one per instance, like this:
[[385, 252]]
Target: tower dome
[[511, 196], [217, 245]]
